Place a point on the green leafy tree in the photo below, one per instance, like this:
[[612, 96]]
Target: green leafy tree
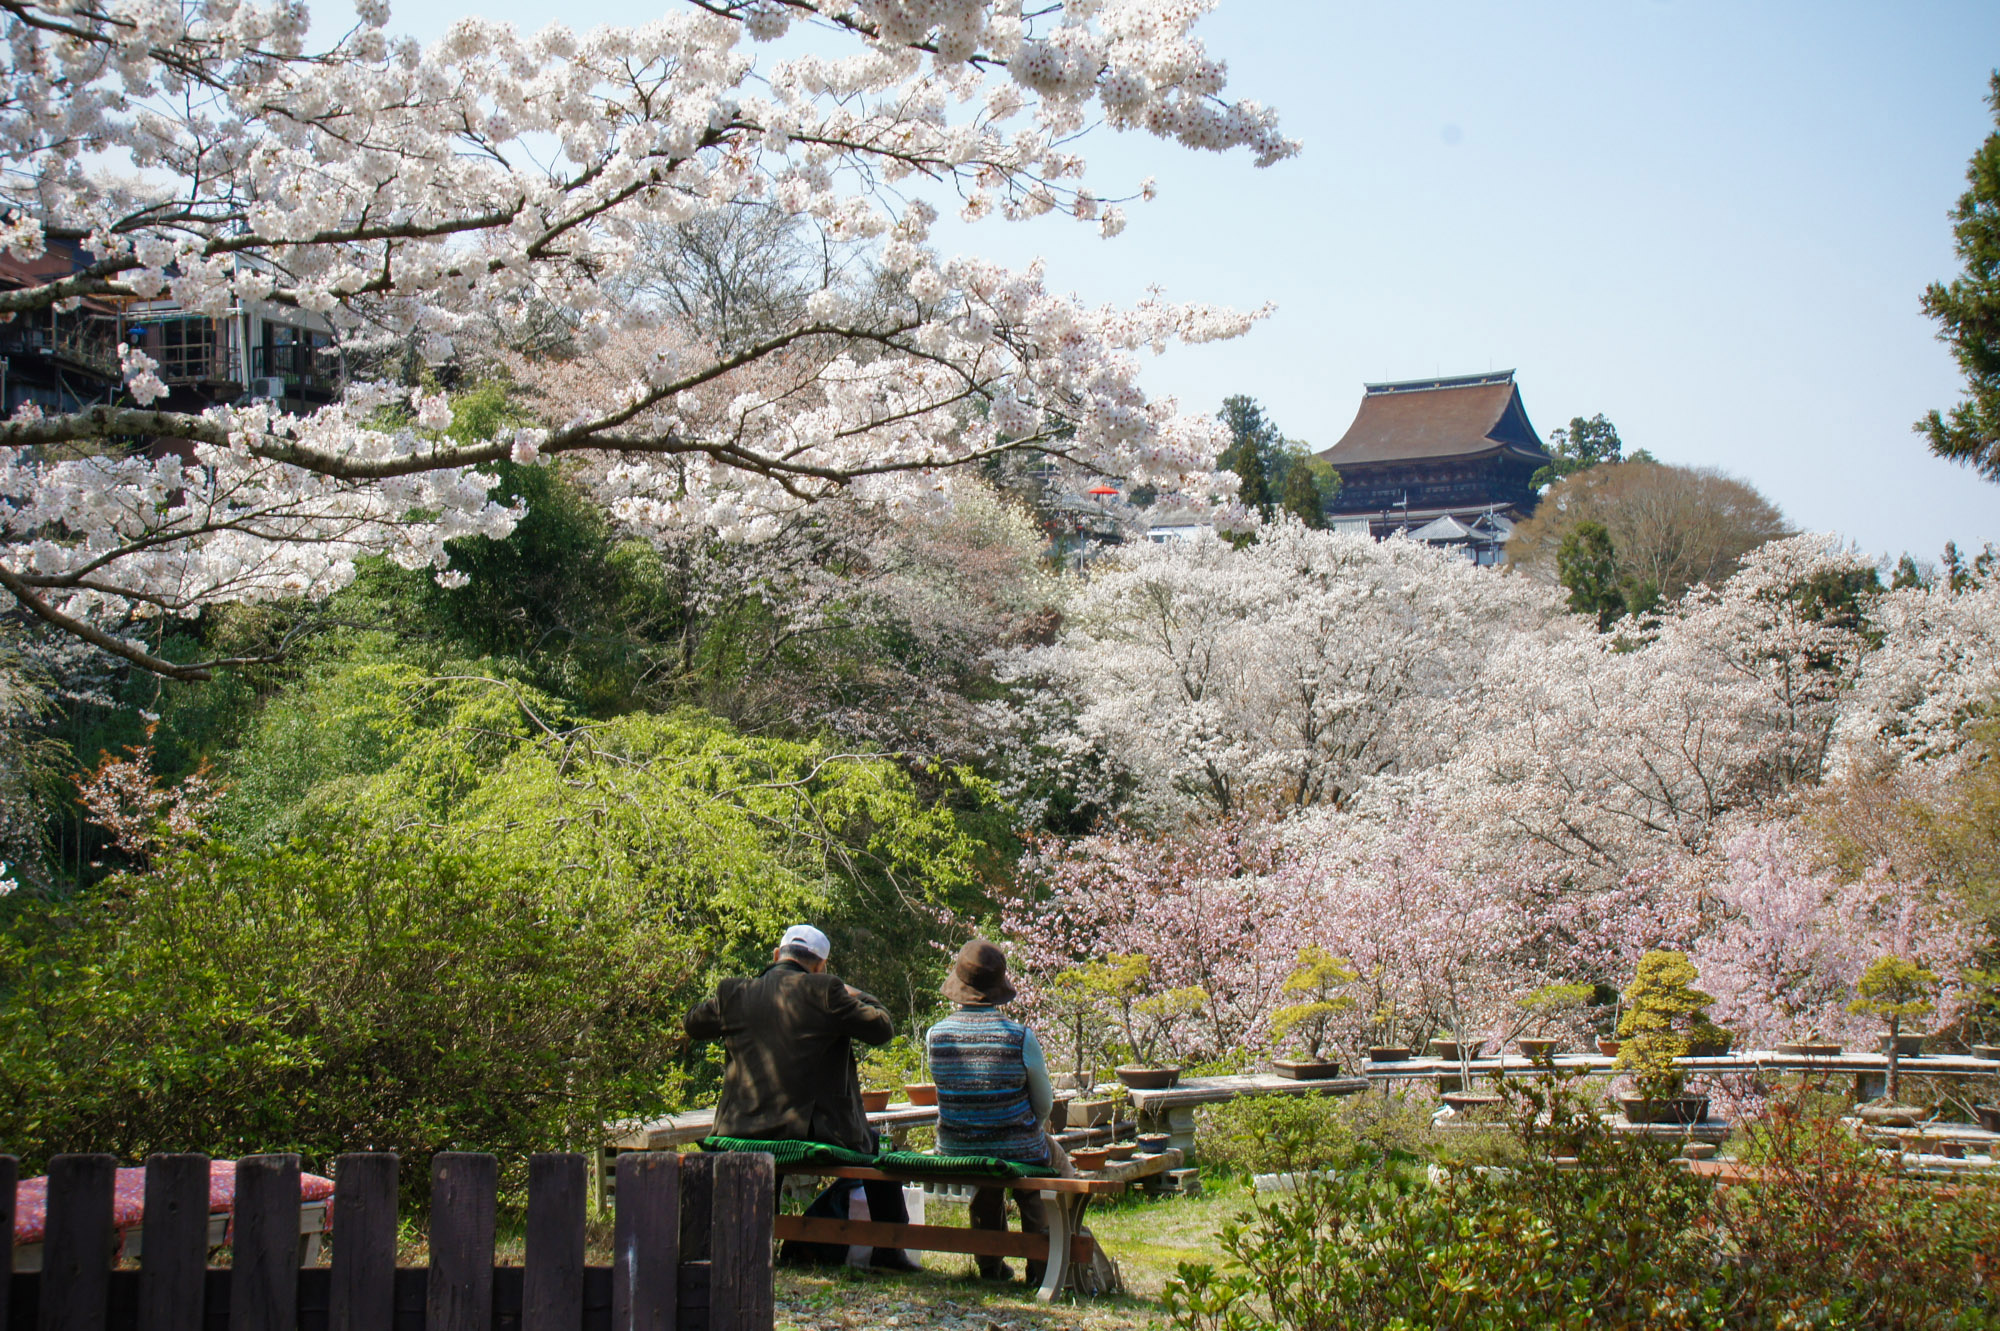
[[1579, 446], [1587, 564], [1309, 485], [1895, 989], [1252, 441], [1670, 527], [1968, 316]]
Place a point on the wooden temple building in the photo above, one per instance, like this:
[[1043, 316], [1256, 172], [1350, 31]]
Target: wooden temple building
[[1446, 461]]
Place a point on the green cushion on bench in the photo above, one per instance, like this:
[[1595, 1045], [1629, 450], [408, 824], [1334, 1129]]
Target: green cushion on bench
[[894, 1162], [919, 1162], [791, 1153]]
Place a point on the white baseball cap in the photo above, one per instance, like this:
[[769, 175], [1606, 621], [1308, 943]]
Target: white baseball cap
[[806, 937]]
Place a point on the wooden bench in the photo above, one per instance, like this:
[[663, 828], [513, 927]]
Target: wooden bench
[[1066, 1250]]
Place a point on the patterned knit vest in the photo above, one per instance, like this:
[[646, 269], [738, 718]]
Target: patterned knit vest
[[982, 1087]]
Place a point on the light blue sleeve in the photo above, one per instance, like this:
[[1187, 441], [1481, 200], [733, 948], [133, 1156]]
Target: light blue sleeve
[[1041, 1095]]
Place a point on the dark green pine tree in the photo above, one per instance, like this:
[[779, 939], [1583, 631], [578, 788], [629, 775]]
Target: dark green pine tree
[[1587, 564], [1968, 315], [1301, 495], [1252, 437]]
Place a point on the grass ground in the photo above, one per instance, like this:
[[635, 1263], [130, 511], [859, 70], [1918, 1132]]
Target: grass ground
[[1147, 1239]]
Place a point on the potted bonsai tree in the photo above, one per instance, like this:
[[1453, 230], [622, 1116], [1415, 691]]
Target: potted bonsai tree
[[1319, 983], [1666, 1019], [1145, 1015], [1895, 989], [1542, 1008]]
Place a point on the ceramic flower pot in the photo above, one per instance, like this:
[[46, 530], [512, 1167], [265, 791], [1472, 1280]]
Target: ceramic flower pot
[[1089, 1113], [1672, 1109], [1988, 1116], [1388, 1053], [874, 1102], [1537, 1049], [1149, 1079], [1089, 1158], [1152, 1143], [1121, 1150], [1448, 1049], [921, 1092], [1891, 1116], [1907, 1046], [1809, 1049], [1987, 1051], [1299, 1069], [1609, 1048], [1463, 1102]]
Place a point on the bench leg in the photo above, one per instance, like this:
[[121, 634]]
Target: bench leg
[[1065, 1213]]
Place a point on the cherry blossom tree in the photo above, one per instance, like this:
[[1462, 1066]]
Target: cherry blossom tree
[[1199, 904], [1439, 943], [475, 189], [1792, 939], [1936, 670], [1603, 755], [1283, 675]]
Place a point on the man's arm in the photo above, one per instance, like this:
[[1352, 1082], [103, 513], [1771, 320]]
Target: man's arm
[[858, 1014], [704, 1019]]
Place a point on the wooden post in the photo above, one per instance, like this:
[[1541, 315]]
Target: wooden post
[[463, 1185], [363, 1293], [552, 1287], [264, 1277], [697, 1205], [76, 1244], [646, 1247], [173, 1261], [746, 1191]]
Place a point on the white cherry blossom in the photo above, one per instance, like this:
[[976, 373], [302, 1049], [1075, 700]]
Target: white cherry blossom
[[452, 198]]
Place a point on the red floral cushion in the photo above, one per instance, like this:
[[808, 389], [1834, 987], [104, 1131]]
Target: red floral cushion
[[128, 1198]]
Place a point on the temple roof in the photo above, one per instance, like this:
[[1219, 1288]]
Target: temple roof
[[1472, 415]]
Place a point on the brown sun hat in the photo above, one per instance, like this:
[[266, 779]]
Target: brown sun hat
[[979, 975]]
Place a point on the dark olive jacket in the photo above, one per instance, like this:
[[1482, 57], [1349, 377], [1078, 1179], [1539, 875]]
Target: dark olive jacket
[[791, 1074]]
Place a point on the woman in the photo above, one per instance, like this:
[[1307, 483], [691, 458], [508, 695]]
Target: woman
[[993, 1091]]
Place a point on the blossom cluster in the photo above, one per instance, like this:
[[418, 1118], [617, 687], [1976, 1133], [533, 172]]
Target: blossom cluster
[[447, 201], [1475, 796]]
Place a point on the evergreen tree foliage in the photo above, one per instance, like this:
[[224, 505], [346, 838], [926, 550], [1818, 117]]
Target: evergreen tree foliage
[[1579, 446], [1253, 439], [1587, 564], [1309, 485], [1968, 316]]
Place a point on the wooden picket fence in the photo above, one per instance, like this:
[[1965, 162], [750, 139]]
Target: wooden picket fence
[[691, 1245]]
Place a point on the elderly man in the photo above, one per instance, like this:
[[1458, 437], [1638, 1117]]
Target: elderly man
[[788, 1033]]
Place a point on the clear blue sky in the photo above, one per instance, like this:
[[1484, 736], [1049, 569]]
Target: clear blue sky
[[1709, 221]]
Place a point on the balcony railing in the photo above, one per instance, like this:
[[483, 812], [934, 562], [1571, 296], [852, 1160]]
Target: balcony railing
[[301, 367]]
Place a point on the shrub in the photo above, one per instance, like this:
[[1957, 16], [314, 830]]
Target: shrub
[[353, 989], [1284, 1133], [1587, 1230], [1831, 1235]]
